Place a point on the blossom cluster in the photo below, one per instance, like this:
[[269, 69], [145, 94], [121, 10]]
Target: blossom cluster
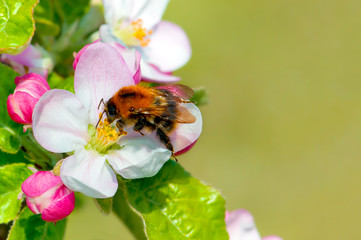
[[135, 48], [132, 48]]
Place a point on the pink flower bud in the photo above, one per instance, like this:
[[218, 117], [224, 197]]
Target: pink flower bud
[[28, 91], [47, 195]]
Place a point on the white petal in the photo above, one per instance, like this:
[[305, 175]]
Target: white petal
[[150, 73], [88, 172], [186, 134], [116, 10], [140, 157], [169, 48], [150, 11], [240, 226], [100, 73], [60, 121]]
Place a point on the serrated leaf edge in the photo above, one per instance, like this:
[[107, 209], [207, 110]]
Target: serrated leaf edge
[[137, 212], [3, 50]]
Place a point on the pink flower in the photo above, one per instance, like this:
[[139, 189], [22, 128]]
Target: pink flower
[[64, 122], [241, 226], [36, 59], [48, 196], [28, 91], [164, 46]]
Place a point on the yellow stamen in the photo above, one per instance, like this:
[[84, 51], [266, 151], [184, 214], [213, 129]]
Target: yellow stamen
[[106, 136], [141, 33]]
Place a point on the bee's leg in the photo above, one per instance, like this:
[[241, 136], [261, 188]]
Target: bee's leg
[[186, 101], [138, 126], [165, 139], [120, 126]]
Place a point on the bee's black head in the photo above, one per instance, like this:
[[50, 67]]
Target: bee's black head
[[111, 112]]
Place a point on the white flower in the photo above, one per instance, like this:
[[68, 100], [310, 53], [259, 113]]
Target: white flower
[[64, 122], [137, 24]]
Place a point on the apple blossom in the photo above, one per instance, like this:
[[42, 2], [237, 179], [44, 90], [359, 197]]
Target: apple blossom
[[164, 46], [241, 226], [48, 196], [28, 91], [34, 58], [65, 122]]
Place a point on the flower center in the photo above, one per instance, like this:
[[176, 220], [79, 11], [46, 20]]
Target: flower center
[[134, 34], [105, 136]]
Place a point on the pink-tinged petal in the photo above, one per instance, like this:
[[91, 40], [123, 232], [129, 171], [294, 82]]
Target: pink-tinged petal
[[184, 150], [130, 56], [77, 56], [169, 47], [139, 157], [88, 172], [227, 215], [40, 203], [116, 10], [186, 134], [271, 238], [100, 73], [62, 205], [60, 121], [18, 111], [29, 89], [132, 59], [30, 57], [32, 205], [35, 58], [150, 11], [152, 74], [35, 77], [39, 183], [240, 226]]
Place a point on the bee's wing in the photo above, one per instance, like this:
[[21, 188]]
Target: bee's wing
[[179, 90], [184, 116]]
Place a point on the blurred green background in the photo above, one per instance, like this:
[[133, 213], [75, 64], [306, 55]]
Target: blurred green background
[[282, 130]]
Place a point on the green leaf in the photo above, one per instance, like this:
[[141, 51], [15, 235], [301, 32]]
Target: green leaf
[[9, 130], [175, 205], [104, 205], [16, 25], [46, 27], [11, 178], [6, 158], [28, 226], [70, 10], [9, 141], [45, 20], [56, 81], [200, 96]]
